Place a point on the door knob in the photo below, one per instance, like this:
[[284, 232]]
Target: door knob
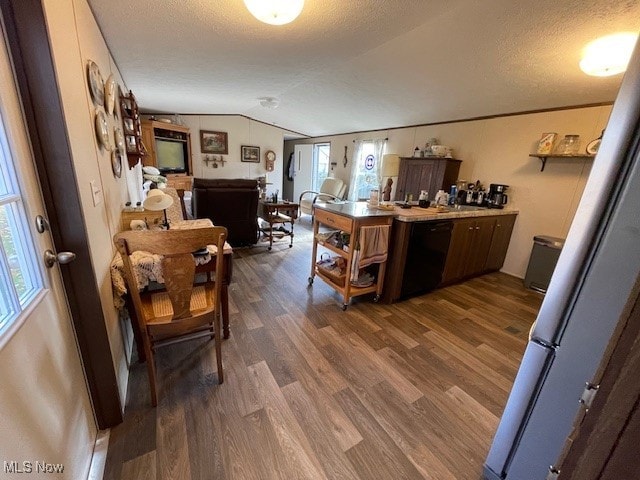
[[62, 258]]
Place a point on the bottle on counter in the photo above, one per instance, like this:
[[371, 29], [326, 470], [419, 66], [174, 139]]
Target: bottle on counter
[[416, 152], [453, 194], [423, 199]]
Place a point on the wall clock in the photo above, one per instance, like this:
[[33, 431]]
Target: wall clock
[[270, 159]]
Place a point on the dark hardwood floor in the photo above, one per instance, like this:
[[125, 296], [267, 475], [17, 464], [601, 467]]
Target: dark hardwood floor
[[404, 391]]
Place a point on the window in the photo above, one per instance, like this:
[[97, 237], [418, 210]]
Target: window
[[20, 276], [321, 164], [366, 168]]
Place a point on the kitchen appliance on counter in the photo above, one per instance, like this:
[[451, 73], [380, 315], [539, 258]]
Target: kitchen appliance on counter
[[497, 198], [590, 288]]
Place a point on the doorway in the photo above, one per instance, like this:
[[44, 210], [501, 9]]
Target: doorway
[[48, 423], [321, 164]]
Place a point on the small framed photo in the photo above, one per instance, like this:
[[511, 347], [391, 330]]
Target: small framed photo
[[214, 142], [250, 154], [545, 145]]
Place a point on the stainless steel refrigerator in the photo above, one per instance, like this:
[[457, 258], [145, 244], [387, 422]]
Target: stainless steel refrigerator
[[591, 284]]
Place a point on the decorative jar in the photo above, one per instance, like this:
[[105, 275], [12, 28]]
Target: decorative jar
[[569, 145]]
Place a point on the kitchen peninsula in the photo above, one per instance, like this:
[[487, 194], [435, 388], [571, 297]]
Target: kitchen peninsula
[[428, 247], [434, 247]]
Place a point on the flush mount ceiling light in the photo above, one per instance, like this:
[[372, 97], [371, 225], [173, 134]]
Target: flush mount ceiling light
[[269, 102], [275, 12], [608, 55]]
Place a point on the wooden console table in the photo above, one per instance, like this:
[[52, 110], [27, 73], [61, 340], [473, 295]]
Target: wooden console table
[[277, 213]]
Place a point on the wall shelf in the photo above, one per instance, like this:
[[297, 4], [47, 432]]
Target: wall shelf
[[543, 158]]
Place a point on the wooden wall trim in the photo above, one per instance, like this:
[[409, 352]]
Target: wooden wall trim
[[28, 42]]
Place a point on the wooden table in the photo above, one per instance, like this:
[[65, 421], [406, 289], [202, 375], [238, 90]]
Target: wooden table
[[277, 213], [144, 271]]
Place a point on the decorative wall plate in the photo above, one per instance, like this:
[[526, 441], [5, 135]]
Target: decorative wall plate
[[116, 163], [110, 94], [102, 129], [119, 139], [594, 146], [96, 83]]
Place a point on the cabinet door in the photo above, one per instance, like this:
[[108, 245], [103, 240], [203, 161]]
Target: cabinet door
[[459, 249], [480, 244], [414, 175], [500, 242], [150, 144]]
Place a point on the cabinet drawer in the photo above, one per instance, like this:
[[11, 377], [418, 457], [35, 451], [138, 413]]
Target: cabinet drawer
[[334, 221]]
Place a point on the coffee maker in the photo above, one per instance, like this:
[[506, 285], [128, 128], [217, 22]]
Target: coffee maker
[[497, 197]]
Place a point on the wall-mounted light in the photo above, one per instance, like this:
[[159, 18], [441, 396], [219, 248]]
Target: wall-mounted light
[[275, 12], [608, 55]]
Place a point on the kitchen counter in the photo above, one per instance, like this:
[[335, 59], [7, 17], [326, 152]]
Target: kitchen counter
[[417, 214], [355, 210], [413, 214]]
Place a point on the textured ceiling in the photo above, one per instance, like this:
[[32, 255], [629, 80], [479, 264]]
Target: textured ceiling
[[354, 65]]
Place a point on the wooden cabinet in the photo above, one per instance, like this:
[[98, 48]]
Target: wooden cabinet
[[178, 182], [500, 242], [175, 142], [478, 245], [431, 174], [348, 218]]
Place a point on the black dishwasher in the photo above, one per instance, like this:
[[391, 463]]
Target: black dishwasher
[[426, 255]]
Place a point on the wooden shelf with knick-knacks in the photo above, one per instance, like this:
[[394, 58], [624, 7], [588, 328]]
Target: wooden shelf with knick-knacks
[[131, 128], [543, 157]]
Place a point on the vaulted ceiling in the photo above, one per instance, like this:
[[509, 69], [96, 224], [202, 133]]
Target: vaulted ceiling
[[355, 65]]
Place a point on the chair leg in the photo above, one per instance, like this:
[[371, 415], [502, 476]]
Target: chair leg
[[151, 370], [218, 340]]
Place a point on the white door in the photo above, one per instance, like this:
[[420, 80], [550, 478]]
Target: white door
[[303, 158], [46, 418]]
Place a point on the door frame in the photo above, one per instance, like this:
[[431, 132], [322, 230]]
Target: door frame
[[30, 50], [608, 424]]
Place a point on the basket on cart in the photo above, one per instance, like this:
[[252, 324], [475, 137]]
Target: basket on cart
[[334, 268]]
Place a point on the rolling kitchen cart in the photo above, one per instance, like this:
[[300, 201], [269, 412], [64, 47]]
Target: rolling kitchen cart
[[347, 218]]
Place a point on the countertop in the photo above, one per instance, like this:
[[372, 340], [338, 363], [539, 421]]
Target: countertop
[[355, 210], [417, 214], [413, 214]]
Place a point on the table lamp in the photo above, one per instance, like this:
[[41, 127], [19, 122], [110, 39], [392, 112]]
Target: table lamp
[[158, 200], [390, 168]]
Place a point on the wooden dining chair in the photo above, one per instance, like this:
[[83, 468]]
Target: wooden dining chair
[[184, 310]]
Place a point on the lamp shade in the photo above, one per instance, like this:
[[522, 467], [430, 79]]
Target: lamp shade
[[390, 165], [157, 200], [275, 12]]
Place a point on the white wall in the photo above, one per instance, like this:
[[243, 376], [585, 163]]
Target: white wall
[[75, 40], [497, 151], [240, 131]]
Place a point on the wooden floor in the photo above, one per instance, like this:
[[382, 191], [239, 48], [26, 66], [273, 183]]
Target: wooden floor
[[405, 391]]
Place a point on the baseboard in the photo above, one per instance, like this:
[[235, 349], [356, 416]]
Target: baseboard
[[99, 457]]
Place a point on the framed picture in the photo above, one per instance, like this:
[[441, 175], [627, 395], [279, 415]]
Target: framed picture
[[214, 142], [250, 154], [545, 145]]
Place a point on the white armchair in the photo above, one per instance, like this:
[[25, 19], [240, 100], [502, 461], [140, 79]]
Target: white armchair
[[331, 189]]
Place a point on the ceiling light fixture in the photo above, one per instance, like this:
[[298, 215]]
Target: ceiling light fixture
[[275, 12], [269, 102], [607, 56]]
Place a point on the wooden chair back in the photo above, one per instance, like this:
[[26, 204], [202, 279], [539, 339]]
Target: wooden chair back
[[178, 263]]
